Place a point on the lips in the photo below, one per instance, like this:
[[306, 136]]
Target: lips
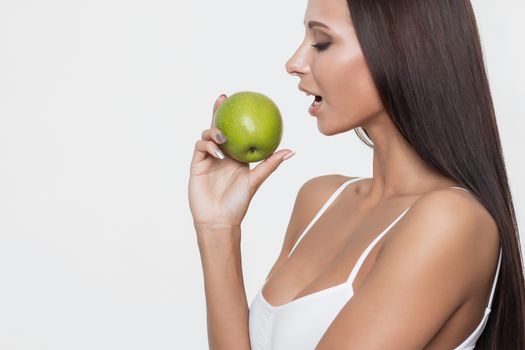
[[315, 106], [308, 93]]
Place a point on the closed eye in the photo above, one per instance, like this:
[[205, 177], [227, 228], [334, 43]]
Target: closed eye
[[321, 46]]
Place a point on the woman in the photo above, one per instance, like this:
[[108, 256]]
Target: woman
[[429, 257]]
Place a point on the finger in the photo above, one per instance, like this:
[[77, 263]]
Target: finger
[[218, 102], [203, 148], [213, 134], [261, 172]]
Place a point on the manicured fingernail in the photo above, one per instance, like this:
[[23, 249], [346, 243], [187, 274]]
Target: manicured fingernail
[[220, 137], [219, 154], [289, 155], [222, 95]]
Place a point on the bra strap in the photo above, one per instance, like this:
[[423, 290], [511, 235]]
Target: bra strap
[[461, 188], [363, 256], [324, 207], [495, 279]]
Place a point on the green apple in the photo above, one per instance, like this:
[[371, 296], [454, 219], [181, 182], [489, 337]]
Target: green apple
[[252, 125]]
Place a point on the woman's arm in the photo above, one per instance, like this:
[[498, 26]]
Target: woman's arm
[[220, 190], [226, 305]]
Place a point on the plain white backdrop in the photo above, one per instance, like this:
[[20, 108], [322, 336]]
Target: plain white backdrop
[[101, 103]]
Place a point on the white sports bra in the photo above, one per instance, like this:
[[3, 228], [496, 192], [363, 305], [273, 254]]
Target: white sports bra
[[301, 323]]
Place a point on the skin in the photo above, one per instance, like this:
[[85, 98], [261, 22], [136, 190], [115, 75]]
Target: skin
[[351, 103], [459, 247], [220, 190]]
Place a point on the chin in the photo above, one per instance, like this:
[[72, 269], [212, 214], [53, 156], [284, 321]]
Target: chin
[[330, 130], [327, 130]]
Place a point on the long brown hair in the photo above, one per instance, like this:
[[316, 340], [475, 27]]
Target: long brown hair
[[426, 60]]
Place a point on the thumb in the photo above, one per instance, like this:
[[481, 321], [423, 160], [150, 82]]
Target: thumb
[[261, 172]]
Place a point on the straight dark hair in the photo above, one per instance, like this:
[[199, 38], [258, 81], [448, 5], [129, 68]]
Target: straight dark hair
[[426, 60]]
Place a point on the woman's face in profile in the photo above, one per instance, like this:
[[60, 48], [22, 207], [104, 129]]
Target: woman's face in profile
[[335, 69]]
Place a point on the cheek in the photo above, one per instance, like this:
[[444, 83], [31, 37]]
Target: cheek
[[350, 90]]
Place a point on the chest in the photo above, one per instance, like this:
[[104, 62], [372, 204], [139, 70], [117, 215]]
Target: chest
[[338, 250], [327, 254]]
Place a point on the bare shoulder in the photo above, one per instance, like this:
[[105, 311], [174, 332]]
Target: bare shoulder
[[455, 222], [454, 206], [432, 264], [309, 200]]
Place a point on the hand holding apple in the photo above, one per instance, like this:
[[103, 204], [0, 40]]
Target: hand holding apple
[[252, 124], [220, 189]]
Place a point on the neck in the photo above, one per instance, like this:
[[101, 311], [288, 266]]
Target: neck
[[397, 169]]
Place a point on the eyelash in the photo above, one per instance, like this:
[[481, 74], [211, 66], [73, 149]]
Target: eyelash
[[321, 46]]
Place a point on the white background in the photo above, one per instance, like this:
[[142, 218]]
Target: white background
[[100, 105]]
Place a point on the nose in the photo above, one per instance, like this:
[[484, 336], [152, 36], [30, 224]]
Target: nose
[[297, 65]]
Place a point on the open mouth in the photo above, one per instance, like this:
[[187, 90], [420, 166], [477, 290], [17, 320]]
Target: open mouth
[[314, 107]]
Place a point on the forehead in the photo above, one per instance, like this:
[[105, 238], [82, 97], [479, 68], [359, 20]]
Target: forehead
[[330, 12]]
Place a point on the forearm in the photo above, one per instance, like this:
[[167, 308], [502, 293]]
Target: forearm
[[226, 304]]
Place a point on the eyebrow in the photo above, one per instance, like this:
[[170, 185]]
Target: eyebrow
[[312, 24]]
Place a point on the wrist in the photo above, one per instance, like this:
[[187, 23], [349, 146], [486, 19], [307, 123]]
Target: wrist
[[203, 227], [219, 238]]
